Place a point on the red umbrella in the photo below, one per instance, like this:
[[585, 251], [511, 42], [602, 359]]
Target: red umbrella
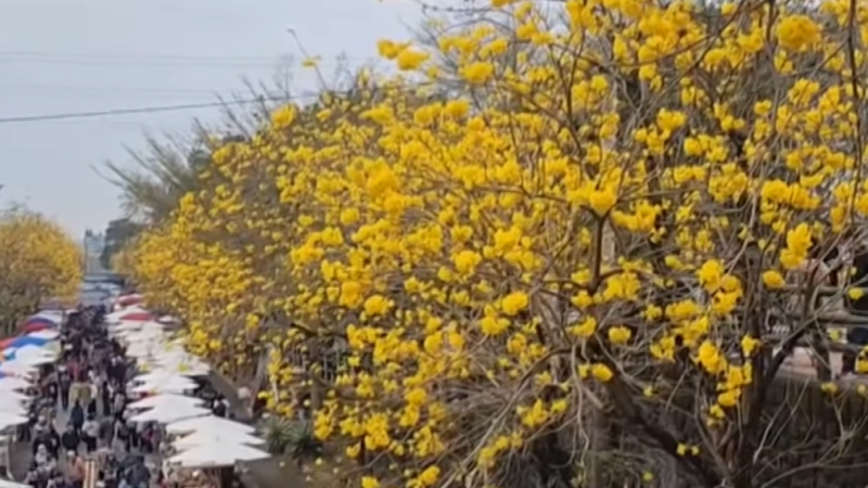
[[36, 326], [127, 300], [138, 316]]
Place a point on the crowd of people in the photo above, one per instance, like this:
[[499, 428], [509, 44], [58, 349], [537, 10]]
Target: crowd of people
[[79, 414], [80, 405]]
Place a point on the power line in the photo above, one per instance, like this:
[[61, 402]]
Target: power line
[[159, 108], [125, 90], [150, 64], [33, 57], [125, 56], [120, 89], [139, 110]]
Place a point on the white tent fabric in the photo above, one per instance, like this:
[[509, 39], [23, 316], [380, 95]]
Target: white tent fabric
[[157, 376], [28, 362], [203, 438], [10, 419], [10, 403], [17, 368], [126, 327], [17, 410], [115, 317], [217, 455], [12, 484], [12, 395], [55, 316], [34, 350], [172, 385], [211, 423], [13, 383], [165, 400], [166, 415], [47, 334], [34, 355]]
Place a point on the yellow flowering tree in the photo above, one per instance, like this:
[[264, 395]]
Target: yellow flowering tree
[[38, 261], [588, 219]]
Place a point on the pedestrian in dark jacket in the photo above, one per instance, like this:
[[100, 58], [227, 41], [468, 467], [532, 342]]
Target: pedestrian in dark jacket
[[76, 416], [70, 440], [64, 383]]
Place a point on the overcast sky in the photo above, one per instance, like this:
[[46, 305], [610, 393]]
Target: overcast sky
[[67, 56]]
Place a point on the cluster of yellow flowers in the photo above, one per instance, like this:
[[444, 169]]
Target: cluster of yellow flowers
[[568, 210], [39, 261]]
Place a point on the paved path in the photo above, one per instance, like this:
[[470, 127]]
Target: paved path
[[20, 458]]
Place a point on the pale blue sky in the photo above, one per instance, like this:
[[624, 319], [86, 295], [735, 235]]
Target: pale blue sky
[[59, 56]]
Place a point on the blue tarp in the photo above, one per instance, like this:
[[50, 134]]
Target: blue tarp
[[28, 341]]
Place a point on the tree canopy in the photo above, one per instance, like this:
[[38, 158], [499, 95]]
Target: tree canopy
[[38, 261], [564, 215]]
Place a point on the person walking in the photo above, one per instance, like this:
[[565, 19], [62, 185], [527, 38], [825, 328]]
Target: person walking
[[76, 417], [76, 469], [64, 383], [121, 438], [70, 440], [94, 395], [84, 394], [107, 391], [90, 431], [120, 404]]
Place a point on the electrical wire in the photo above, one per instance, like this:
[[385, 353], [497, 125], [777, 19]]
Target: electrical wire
[[101, 90], [141, 110], [157, 109], [134, 63], [125, 56], [162, 60]]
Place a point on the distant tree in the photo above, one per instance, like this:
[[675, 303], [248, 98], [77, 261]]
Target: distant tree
[[118, 233], [38, 261]]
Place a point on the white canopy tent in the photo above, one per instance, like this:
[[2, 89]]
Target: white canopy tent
[[13, 383], [166, 415], [217, 455], [177, 384], [55, 316], [18, 368], [123, 327], [34, 356], [116, 316], [204, 438], [156, 376], [47, 334], [165, 400], [12, 484], [11, 419], [15, 409], [34, 350], [12, 395], [217, 425]]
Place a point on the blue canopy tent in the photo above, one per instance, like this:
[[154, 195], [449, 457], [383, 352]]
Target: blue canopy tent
[[27, 340]]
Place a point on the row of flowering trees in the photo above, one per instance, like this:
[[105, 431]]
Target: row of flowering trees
[[559, 243], [39, 261]]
